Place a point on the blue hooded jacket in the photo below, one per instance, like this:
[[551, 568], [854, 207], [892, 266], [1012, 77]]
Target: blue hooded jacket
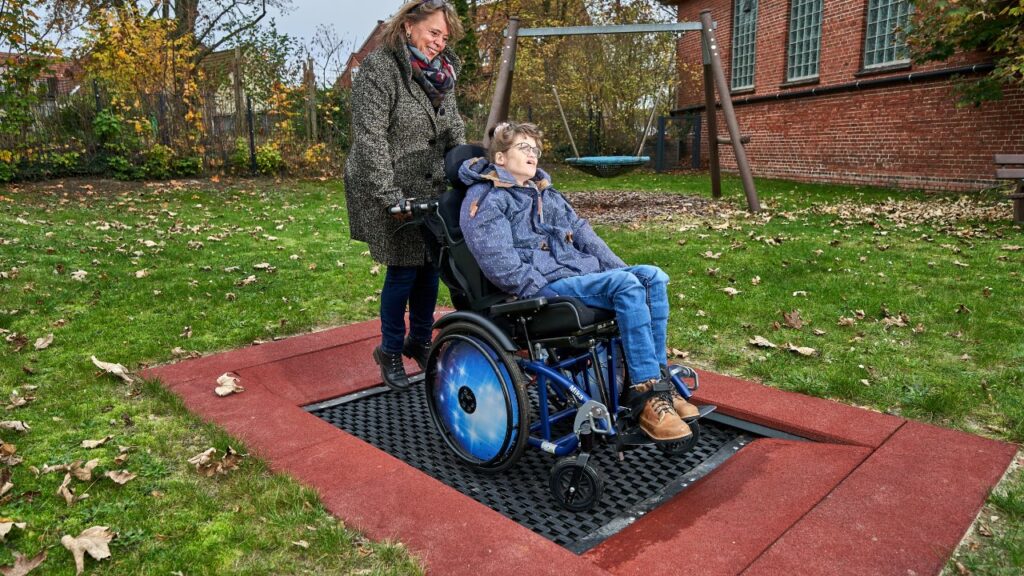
[[526, 237]]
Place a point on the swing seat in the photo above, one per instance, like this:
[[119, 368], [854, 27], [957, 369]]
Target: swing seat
[[607, 166]]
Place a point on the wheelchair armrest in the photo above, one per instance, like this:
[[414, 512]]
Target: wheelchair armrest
[[519, 306]]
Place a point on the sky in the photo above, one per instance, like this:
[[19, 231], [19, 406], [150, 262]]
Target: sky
[[352, 19]]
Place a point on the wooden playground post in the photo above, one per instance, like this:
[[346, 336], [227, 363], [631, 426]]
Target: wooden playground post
[[503, 84], [714, 166], [708, 35]]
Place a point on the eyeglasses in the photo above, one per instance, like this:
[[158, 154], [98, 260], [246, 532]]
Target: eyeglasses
[[527, 149]]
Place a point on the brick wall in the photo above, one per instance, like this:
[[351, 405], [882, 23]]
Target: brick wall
[[905, 134]]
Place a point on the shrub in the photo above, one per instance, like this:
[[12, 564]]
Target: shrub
[[188, 166], [238, 161], [317, 159], [268, 159], [156, 162], [8, 166]]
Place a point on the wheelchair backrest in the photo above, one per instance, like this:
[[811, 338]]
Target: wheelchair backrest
[[470, 289]]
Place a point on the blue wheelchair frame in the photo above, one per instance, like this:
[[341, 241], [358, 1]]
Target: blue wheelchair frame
[[562, 387]]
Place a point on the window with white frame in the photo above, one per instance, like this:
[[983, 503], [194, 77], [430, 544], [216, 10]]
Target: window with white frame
[[885, 41], [744, 40], [804, 47]]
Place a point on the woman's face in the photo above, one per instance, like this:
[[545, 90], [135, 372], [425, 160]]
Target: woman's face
[[429, 35], [520, 159]]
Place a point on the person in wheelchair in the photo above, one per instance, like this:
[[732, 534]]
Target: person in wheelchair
[[529, 242]]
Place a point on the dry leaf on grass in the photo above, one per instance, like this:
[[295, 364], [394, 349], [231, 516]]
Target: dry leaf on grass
[[712, 255], [7, 451], [90, 444], [793, 319], [115, 369], [677, 353], [142, 273], [801, 350], [207, 464], [44, 342], [730, 291], [79, 275], [23, 564], [844, 321], [756, 280], [16, 425], [227, 384], [7, 526], [83, 471], [375, 270], [761, 342], [301, 543], [121, 477], [93, 540], [68, 493]]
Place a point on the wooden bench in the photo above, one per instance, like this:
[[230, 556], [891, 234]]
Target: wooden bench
[[1011, 167]]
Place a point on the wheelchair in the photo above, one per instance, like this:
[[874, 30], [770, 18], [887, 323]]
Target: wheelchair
[[504, 375]]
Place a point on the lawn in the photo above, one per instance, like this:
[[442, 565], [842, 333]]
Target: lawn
[[905, 303]]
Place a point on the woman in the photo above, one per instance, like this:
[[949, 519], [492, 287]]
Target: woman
[[404, 118]]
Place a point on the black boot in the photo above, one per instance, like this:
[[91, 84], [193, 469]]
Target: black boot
[[417, 351], [391, 369]]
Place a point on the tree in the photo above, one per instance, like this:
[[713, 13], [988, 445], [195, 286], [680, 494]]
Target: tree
[[942, 28], [22, 36], [328, 52]]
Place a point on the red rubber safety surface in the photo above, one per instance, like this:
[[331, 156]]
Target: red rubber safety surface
[[876, 494]]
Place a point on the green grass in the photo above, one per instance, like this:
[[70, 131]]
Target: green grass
[[170, 518]]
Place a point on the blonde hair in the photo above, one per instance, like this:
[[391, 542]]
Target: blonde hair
[[416, 11], [505, 134]]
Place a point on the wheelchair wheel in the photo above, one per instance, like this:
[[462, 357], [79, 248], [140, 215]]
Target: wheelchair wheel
[[477, 399], [574, 486], [683, 446]]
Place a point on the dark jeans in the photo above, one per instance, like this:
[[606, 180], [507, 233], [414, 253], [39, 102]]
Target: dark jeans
[[415, 286]]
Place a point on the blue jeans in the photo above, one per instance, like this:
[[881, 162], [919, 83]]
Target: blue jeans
[[415, 286], [639, 297]]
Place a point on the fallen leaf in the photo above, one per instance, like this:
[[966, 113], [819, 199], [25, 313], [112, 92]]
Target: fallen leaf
[[115, 369], [761, 342], [799, 293], [793, 319], [730, 291], [375, 270], [83, 471], [844, 321], [801, 350], [712, 255], [246, 281], [756, 280], [819, 332], [301, 543], [7, 526], [120, 477], [677, 353], [962, 309], [865, 382], [44, 342], [90, 444], [65, 490], [227, 384], [186, 332], [1012, 248], [16, 425], [23, 564], [93, 540], [141, 273]]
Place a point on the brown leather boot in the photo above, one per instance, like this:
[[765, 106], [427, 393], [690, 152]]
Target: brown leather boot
[[658, 419], [685, 410]]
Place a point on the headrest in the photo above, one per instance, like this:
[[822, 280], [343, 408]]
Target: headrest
[[454, 159]]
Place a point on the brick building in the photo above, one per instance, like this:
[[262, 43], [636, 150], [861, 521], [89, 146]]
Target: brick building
[[827, 92], [59, 78], [356, 58]]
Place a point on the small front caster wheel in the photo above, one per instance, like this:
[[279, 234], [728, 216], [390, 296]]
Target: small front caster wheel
[[576, 487], [682, 446]]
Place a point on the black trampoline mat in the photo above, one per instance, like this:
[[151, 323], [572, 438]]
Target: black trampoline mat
[[399, 423]]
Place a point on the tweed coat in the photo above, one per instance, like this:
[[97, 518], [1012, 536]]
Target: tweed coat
[[398, 147]]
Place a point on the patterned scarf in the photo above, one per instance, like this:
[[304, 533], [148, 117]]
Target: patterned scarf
[[437, 77]]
